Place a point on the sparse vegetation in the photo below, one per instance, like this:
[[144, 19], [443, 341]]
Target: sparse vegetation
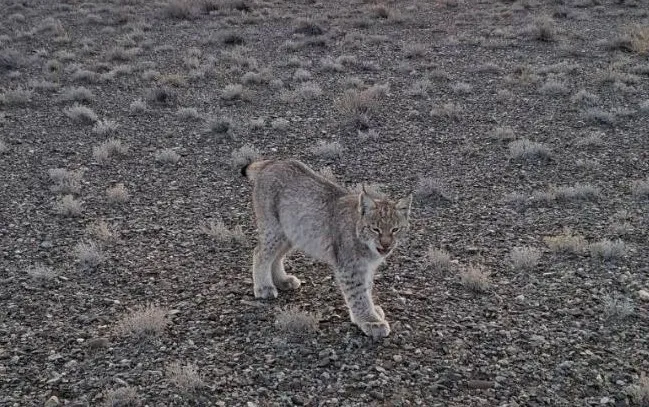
[[88, 255], [475, 279], [606, 249], [328, 149], [640, 188], [167, 156], [639, 392], [121, 397], [566, 243], [526, 149], [109, 148], [524, 258], [617, 307], [67, 206], [185, 377], [244, 155], [219, 231], [42, 273], [438, 259], [117, 194], [142, 322], [105, 127], [297, 324], [429, 188], [81, 114], [65, 181]]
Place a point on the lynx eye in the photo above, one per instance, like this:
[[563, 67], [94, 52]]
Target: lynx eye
[[376, 230], [395, 230]]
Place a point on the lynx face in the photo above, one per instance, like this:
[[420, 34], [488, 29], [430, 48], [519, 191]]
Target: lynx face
[[382, 222]]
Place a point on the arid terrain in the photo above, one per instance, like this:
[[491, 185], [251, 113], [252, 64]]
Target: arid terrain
[[126, 229]]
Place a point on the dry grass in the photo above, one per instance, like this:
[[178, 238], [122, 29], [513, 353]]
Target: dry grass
[[524, 258], [431, 189], [78, 94], [67, 206], [475, 279], [566, 243], [639, 392], [606, 249], [88, 255], [438, 259], [65, 181], [121, 397], [148, 321], [81, 114], [327, 149], [16, 97], [3, 147], [638, 38], [184, 377], [297, 324], [42, 273], [167, 156], [449, 111], [577, 192], [102, 231], [105, 127], [108, 149], [219, 231], [355, 102], [524, 149], [617, 307], [640, 188], [117, 194]]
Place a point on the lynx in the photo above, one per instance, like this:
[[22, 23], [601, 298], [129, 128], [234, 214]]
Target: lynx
[[296, 208]]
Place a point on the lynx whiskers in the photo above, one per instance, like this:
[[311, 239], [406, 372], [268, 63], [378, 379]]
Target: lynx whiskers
[[296, 208]]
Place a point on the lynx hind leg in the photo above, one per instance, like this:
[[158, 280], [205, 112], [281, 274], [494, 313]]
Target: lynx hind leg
[[261, 274], [281, 279]]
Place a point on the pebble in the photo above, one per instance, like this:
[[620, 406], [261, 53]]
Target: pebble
[[480, 384], [643, 295], [397, 358], [52, 402]]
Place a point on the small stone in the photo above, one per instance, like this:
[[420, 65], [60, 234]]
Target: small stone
[[605, 400], [298, 400], [377, 395], [643, 295], [97, 343], [480, 384], [52, 402], [397, 358]]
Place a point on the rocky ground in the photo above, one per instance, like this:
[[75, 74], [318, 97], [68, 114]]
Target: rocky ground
[[521, 126]]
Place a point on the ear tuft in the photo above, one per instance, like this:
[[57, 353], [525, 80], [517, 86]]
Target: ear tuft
[[365, 202]]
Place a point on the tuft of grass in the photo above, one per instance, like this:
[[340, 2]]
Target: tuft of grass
[[3, 147], [244, 156], [524, 258], [636, 39], [585, 98], [297, 324], [617, 307], [327, 149], [640, 188], [105, 127], [462, 88], [577, 192], [233, 92], [475, 279], [438, 259], [280, 124], [77, 94], [121, 397], [88, 255], [65, 181], [137, 106], [420, 88], [185, 377], [142, 322], [309, 27], [16, 97], [10, 59], [525, 149], [107, 149], [167, 156], [218, 230], [592, 140], [598, 116], [117, 194], [42, 273], [639, 392], [566, 243], [81, 114], [354, 102], [162, 96], [218, 125], [606, 249], [542, 29], [429, 188], [67, 206], [102, 231], [554, 88], [447, 111], [188, 113]]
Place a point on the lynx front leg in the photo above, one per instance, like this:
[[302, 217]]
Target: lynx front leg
[[357, 290]]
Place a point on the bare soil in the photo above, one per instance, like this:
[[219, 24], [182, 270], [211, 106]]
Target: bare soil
[[541, 336]]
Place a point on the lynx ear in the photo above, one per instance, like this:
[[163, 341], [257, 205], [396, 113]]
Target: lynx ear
[[403, 205], [365, 203]]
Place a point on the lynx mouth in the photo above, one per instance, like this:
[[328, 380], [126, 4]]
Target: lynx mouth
[[383, 251]]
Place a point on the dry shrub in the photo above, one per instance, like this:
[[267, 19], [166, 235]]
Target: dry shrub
[[297, 324], [475, 279], [186, 378], [524, 258], [566, 243], [218, 230], [149, 321], [438, 259]]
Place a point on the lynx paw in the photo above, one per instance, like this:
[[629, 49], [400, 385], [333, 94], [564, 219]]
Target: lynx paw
[[266, 292], [289, 283], [379, 311], [376, 330]]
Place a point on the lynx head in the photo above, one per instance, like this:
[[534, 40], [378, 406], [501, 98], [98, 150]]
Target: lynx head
[[382, 222]]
